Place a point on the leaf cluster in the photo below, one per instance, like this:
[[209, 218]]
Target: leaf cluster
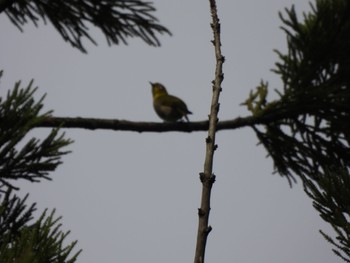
[[117, 19]]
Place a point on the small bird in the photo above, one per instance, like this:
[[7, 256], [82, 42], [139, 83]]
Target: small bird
[[168, 107]]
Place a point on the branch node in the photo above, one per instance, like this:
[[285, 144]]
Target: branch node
[[202, 177], [217, 108], [212, 178], [218, 25], [208, 230], [201, 212], [208, 139]]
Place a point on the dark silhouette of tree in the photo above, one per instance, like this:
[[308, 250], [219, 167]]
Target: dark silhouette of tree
[[117, 19]]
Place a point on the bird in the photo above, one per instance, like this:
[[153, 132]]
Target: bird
[[168, 107]]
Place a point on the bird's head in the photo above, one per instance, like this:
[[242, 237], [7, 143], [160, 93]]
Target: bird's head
[[158, 89]]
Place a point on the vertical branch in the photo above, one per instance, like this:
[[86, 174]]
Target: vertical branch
[[207, 177]]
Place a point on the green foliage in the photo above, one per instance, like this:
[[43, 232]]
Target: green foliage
[[117, 19], [256, 101], [42, 242], [309, 126], [330, 196], [20, 240], [307, 130], [14, 215], [33, 161]]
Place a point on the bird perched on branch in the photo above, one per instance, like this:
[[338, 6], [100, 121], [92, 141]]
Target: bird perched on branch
[[168, 107]]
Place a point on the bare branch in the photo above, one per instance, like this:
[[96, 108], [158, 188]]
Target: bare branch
[[207, 177]]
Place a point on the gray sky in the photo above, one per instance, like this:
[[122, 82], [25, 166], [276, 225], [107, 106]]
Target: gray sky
[[130, 197]]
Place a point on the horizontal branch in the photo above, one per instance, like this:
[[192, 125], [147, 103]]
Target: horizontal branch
[[124, 125], [268, 117]]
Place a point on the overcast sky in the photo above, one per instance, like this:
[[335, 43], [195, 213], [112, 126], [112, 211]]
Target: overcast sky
[[130, 197]]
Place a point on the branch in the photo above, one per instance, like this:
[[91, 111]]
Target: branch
[[207, 177], [330, 195], [125, 125], [315, 73], [39, 241], [273, 115], [14, 215], [31, 159], [117, 19]]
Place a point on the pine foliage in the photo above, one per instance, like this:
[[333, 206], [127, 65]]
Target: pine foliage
[[40, 242], [308, 134], [36, 158], [310, 127], [21, 239], [117, 19], [330, 195]]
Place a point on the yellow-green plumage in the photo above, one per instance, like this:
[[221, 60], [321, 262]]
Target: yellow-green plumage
[[168, 107]]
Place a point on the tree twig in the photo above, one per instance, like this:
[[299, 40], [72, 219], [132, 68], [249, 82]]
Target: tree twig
[[207, 177]]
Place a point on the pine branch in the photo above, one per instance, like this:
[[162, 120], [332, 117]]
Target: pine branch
[[315, 73], [117, 19], [314, 145], [330, 195], [14, 215], [207, 177], [40, 242], [33, 161]]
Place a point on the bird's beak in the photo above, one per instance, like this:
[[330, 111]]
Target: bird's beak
[[151, 83]]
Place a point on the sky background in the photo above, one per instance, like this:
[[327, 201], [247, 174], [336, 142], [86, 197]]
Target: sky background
[[130, 197]]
